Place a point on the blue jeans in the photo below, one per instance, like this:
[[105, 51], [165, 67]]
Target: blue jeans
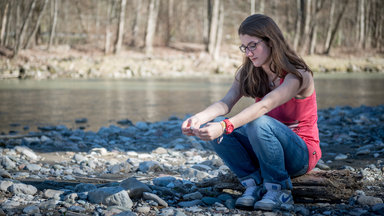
[[265, 150]]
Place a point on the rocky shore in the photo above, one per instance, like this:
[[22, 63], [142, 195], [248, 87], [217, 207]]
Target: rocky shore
[[150, 168], [65, 62]]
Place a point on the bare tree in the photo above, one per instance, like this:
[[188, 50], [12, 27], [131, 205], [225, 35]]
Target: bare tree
[[253, 6], [170, 17], [336, 28], [318, 6], [213, 27], [4, 22], [136, 23], [23, 29], [262, 6], [330, 25], [151, 27], [36, 24], [207, 25], [219, 33], [54, 22], [298, 25], [107, 42], [120, 29], [361, 24], [307, 23]]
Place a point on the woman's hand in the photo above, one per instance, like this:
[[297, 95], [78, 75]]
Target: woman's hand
[[190, 127], [211, 131]]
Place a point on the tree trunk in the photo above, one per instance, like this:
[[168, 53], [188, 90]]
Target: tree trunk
[[307, 23], [214, 26], [298, 25], [334, 31], [361, 24], [120, 29], [136, 23], [151, 27], [170, 17], [54, 21], [319, 5], [262, 6], [207, 25], [219, 33], [23, 29], [36, 24], [330, 25], [253, 6], [4, 23]]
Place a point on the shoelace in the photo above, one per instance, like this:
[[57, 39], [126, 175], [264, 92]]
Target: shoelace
[[249, 191], [271, 195]]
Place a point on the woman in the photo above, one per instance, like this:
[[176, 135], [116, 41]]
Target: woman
[[275, 138]]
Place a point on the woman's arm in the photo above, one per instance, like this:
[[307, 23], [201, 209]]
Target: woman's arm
[[287, 90], [219, 108]]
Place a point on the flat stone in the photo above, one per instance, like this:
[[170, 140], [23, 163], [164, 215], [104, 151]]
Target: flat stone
[[154, 197]]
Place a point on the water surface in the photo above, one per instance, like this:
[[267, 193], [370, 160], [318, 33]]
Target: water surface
[[103, 102]]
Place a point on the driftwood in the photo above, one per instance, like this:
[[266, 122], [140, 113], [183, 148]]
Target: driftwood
[[317, 186]]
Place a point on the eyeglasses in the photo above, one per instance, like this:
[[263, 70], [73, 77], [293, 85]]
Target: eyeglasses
[[251, 46]]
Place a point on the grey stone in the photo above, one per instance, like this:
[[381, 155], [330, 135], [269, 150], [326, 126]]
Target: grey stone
[[186, 204], [143, 209], [369, 200], [7, 163], [4, 174], [77, 209], [22, 188], [210, 200], [163, 181], [150, 166], [4, 185], [154, 197], [134, 187], [31, 210], [33, 167], [55, 194], [48, 205], [27, 152], [79, 158], [193, 196], [84, 187], [110, 196]]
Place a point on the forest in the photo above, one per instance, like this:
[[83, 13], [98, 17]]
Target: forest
[[311, 26]]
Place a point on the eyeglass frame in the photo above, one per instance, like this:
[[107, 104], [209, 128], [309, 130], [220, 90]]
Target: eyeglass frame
[[247, 47]]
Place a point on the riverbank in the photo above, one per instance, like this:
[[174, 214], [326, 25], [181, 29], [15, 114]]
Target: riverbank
[[150, 168], [66, 62]]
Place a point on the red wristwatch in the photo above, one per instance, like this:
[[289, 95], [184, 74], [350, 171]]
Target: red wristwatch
[[228, 126]]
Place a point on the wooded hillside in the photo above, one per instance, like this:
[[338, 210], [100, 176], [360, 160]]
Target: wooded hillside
[[311, 26]]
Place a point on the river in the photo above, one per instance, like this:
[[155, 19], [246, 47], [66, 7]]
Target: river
[[26, 104]]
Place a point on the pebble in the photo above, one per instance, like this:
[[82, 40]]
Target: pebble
[[163, 169]]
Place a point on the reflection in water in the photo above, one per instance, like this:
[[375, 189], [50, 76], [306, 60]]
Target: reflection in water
[[37, 103]]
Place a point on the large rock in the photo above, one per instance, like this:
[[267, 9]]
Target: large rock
[[4, 185], [134, 187], [27, 152], [111, 196], [20, 188]]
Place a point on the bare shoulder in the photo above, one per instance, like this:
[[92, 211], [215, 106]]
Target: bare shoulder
[[307, 87]]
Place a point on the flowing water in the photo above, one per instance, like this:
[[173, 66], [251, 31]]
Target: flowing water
[[31, 103]]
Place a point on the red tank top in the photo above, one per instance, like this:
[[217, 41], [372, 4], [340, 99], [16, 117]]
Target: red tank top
[[301, 116]]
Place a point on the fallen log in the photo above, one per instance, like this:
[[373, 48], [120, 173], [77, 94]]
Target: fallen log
[[333, 186]]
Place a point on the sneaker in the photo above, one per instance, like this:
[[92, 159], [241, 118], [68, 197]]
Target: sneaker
[[250, 196], [274, 198]]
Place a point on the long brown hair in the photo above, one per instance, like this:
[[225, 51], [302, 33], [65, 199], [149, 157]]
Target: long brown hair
[[253, 80]]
